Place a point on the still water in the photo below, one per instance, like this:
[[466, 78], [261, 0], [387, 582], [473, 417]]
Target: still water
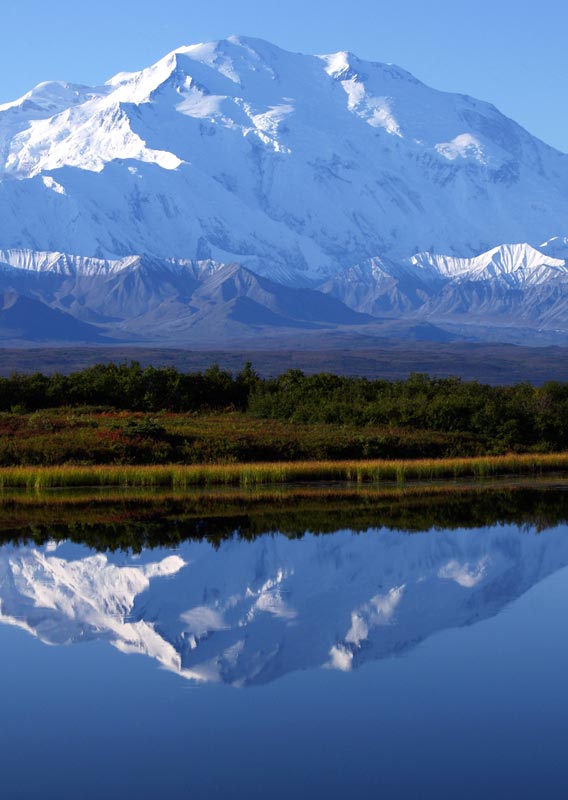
[[371, 664]]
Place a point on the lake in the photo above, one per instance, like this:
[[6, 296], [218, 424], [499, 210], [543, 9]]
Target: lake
[[397, 659]]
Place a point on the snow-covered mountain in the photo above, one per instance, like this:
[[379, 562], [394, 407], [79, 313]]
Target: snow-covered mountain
[[343, 176], [138, 298], [506, 286], [251, 612], [510, 290]]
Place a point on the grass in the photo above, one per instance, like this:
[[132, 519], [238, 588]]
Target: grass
[[180, 477]]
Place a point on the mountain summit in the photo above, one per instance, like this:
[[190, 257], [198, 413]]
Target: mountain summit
[[300, 168]]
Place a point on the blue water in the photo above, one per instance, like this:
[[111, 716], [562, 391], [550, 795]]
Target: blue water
[[455, 686]]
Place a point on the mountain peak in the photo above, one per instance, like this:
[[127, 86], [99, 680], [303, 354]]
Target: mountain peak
[[345, 65], [50, 97]]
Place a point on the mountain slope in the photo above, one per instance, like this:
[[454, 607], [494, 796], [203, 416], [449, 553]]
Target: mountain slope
[[22, 318], [512, 287], [501, 294], [292, 165], [164, 300]]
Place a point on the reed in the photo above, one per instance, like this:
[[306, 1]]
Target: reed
[[181, 477], [215, 500]]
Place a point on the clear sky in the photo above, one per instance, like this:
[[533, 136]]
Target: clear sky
[[510, 52]]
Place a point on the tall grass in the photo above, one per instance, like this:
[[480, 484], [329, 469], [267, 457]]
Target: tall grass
[[183, 477]]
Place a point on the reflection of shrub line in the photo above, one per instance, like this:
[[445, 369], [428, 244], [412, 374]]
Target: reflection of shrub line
[[183, 477], [137, 519]]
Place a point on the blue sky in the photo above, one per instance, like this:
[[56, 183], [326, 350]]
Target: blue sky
[[510, 52]]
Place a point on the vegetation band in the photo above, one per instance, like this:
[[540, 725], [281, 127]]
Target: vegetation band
[[181, 477]]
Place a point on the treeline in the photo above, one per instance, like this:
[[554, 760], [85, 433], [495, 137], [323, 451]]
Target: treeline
[[518, 417], [129, 387]]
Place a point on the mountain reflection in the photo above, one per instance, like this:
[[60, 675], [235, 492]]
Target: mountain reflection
[[248, 612]]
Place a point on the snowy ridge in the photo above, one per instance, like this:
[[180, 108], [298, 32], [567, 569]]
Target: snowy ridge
[[61, 263], [556, 247], [172, 300], [73, 265], [50, 98], [252, 612], [517, 263], [180, 300]]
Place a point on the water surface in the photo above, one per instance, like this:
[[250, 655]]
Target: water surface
[[346, 664]]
